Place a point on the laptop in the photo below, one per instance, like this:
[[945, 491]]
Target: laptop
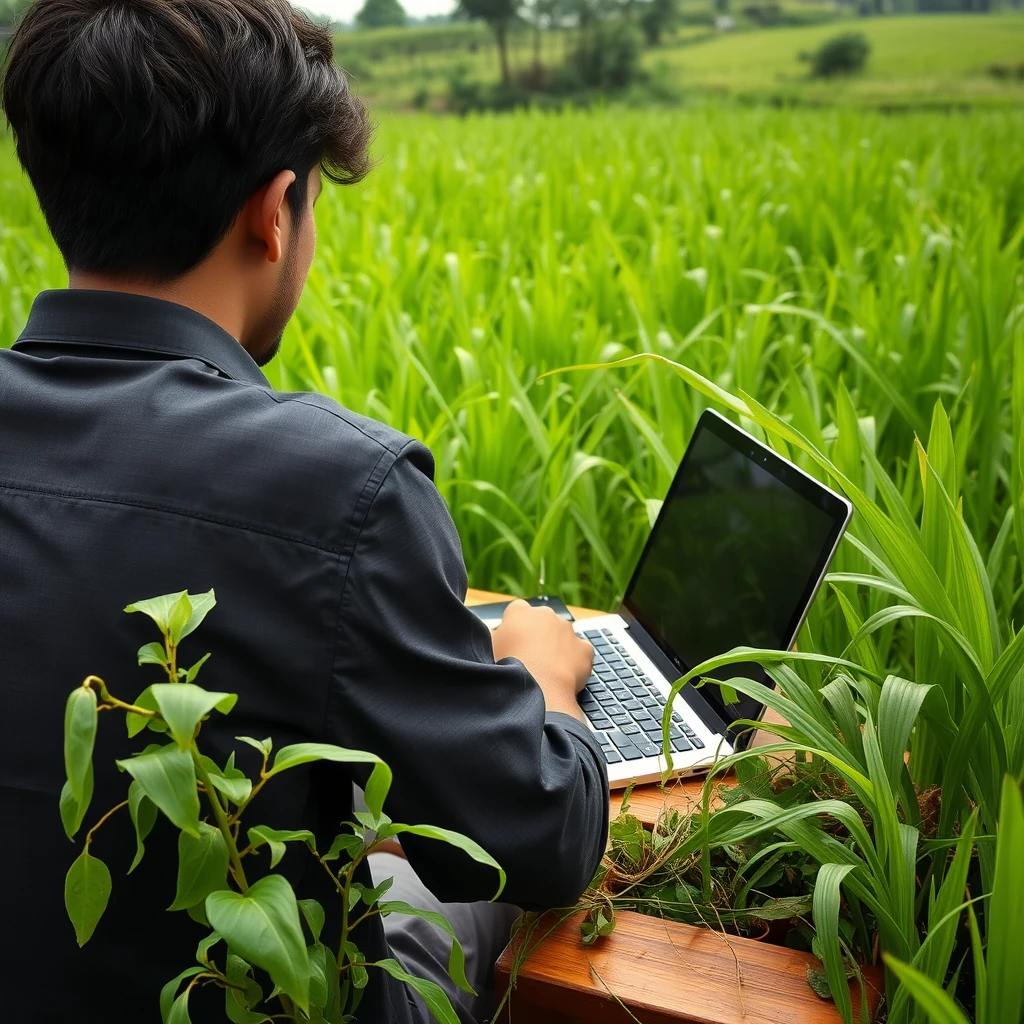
[[735, 558]]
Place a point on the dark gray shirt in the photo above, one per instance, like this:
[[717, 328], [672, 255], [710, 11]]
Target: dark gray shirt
[[143, 452]]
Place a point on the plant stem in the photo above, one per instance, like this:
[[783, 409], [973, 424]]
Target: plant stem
[[222, 820], [88, 835]]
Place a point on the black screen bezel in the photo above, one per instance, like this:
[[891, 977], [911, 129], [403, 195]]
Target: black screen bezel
[[837, 508]]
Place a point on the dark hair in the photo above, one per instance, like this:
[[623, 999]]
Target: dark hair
[[145, 125]]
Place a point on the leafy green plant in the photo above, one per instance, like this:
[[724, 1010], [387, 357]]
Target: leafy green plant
[[254, 925]]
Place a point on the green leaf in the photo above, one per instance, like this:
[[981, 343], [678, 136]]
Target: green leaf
[[456, 958], [158, 608], [320, 962], [194, 670], [276, 838], [179, 1010], [377, 788], [1005, 996], [143, 812], [184, 705], [178, 618], [153, 654], [136, 723], [202, 866], [201, 606], [233, 783], [263, 746], [204, 947], [79, 738], [826, 923], [303, 753], [433, 995], [935, 1002], [169, 991], [168, 777], [314, 915], [72, 813], [263, 927], [86, 892], [198, 914], [461, 842], [238, 1002], [350, 844]]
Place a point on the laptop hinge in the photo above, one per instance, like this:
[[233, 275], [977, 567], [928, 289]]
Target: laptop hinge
[[701, 708]]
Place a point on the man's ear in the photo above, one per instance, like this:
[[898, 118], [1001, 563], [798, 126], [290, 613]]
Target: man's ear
[[267, 215]]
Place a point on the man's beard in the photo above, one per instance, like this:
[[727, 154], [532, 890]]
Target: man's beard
[[266, 338]]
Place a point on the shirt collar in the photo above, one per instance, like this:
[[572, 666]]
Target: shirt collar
[[79, 316]]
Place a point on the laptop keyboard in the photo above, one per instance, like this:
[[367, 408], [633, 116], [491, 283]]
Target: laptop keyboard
[[625, 707]]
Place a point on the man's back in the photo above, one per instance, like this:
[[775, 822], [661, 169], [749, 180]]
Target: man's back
[[142, 453]]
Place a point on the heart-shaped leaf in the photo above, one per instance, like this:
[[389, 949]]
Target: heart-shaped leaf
[[168, 777], [182, 705], [202, 866], [86, 892], [263, 927]]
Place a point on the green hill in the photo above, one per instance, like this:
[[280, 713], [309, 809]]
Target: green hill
[[918, 58]]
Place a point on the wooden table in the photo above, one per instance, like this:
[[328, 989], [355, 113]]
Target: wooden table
[[661, 972]]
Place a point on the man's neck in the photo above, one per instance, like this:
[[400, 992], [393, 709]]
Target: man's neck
[[196, 293]]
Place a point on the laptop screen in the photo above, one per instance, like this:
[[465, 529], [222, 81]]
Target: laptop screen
[[734, 557]]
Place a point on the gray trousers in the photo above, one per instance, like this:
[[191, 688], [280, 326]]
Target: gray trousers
[[422, 948]]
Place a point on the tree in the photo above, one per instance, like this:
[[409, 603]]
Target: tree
[[381, 14], [657, 17], [499, 15]]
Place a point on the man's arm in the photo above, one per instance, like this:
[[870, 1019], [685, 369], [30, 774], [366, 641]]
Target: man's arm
[[469, 741]]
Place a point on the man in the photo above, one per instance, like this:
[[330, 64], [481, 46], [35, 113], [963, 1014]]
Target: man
[[177, 148]]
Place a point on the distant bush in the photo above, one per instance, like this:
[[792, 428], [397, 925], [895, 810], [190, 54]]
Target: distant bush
[[844, 54], [607, 56], [763, 14], [1004, 72]]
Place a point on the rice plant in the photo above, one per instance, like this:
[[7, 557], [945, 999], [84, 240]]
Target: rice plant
[[850, 286]]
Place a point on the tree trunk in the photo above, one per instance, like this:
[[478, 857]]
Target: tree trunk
[[536, 46], [501, 36]]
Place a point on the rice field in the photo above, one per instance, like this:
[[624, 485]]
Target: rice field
[[850, 286], [774, 252]]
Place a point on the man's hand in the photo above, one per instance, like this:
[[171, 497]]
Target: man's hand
[[554, 655]]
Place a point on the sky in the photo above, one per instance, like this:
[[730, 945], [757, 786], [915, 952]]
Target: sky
[[344, 10]]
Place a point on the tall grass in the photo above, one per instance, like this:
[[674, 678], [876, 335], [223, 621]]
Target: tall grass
[[850, 286], [771, 251]]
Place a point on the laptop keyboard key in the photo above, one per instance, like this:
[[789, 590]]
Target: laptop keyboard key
[[592, 634], [619, 739], [630, 753], [621, 718], [649, 749], [631, 729], [611, 756], [599, 722], [694, 741], [632, 705], [680, 746]]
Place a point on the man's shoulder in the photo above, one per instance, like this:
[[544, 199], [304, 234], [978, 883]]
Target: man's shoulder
[[305, 411]]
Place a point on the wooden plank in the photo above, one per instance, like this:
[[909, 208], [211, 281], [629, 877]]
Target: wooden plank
[[666, 972]]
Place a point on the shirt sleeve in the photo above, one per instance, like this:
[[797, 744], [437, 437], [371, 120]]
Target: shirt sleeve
[[468, 740]]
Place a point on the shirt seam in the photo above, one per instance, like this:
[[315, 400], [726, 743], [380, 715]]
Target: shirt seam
[[166, 510], [343, 589], [289, 397]]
